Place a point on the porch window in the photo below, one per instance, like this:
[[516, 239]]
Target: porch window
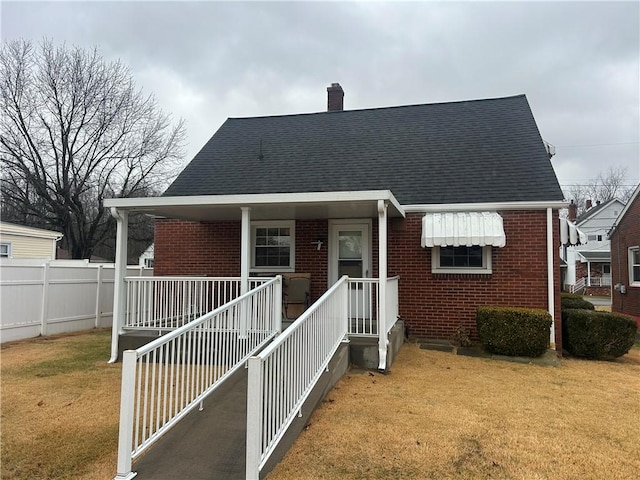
[[273, 246], [5, 250], [462, 259], [634, 266]]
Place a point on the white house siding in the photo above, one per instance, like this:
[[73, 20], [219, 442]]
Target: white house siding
[[597, 224]]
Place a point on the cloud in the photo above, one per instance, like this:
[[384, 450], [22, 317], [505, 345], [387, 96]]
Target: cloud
[[577, 62]]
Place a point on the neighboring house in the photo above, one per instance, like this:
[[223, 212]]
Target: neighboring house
[[146, 259], [590, 264], [625, 258], [18, 241], [458, 199]]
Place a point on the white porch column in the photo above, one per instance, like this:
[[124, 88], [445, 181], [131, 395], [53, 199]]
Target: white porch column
[[551, 277], [245, 249], [245, 255], [588, 273], [119, 286], [382, 288]]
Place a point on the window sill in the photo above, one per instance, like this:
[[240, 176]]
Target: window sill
[[462, 271]]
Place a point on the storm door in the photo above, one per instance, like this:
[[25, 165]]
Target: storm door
[[350, 246]]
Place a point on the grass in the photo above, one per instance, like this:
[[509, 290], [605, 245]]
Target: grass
[[60, 402], [441, 416], [436, 415]]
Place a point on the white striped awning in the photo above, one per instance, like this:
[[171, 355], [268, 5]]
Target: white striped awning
[[570, 234], [462, 229]]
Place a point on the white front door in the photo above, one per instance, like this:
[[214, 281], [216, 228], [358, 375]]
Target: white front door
[[350, 254]]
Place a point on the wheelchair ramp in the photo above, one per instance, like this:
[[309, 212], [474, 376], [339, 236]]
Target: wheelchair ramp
[[208, 444]]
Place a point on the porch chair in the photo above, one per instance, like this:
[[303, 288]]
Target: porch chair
[[295, 296]]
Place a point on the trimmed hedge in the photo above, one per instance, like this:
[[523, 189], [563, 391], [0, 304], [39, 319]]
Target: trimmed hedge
[[573, 300], [514, 331], [597, 335]]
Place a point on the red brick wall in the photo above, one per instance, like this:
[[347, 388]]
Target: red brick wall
[[627, 234], [308, 258], [213, 249], [197, 248], [432, 305]]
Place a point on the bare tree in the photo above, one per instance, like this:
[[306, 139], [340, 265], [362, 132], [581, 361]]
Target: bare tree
[[604, 187], [75, 130]]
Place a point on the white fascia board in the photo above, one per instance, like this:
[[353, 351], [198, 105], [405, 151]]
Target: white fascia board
[[143, 203], [478, 207]]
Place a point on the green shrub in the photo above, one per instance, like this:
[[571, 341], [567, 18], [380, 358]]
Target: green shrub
[[573, 300], [597, 335], [514, 331]]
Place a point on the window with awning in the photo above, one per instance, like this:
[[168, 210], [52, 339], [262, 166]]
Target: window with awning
[[454, 229]]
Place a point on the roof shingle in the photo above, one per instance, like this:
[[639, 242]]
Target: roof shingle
[[459, 152]]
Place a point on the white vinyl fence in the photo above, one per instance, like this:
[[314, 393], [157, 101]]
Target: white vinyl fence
[[40, 297]]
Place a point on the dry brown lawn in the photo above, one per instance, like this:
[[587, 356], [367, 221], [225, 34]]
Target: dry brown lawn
[[441, 416], [436, 415], [60, 407]]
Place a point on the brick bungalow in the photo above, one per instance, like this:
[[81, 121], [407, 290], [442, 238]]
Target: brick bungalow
[[458, 199], [625, 258]]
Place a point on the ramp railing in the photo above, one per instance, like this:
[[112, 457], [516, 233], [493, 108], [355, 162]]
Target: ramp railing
[[282, 376], [166, 379]]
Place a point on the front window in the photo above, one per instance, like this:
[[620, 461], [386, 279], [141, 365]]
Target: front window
[[273, 246], [5, 250], [474, 259], [634, 266]]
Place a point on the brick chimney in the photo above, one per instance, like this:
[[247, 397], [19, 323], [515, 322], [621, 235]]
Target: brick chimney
[[588, 205], [335, 98], [573, 211]]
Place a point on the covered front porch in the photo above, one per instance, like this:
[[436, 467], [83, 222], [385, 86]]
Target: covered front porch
[[212, 249]]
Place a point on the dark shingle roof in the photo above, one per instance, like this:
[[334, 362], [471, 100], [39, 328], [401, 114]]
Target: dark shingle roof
[[460, 152], [593, 210]]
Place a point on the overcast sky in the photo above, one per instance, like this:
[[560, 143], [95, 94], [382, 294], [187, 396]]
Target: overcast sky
[[578, 63]]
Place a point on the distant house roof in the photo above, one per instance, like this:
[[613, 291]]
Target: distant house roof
[[595, 256], [15, 229], [595, 209], [459, 152]]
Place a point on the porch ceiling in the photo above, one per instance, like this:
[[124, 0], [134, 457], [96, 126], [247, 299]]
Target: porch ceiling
[[279, 206]]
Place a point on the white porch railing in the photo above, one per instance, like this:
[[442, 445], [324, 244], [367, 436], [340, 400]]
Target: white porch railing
[[167, 303], [579, 285], [167, 378], [283, 375], [600, 281], [364, 305], [583, 282]]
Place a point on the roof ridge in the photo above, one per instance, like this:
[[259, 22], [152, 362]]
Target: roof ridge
[[391, 107]]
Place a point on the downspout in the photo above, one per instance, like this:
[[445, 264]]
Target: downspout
[[119, 287], [382, 290], [550, 278]]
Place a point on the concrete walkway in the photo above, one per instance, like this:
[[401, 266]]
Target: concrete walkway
[[204, 445], [598, 301]]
